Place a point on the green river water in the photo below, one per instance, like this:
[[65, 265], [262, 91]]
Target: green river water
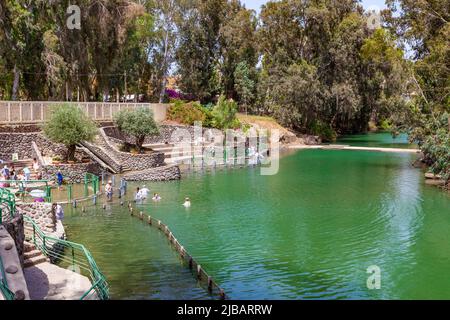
[[309, 232]]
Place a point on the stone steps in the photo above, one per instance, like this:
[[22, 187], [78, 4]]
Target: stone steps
[[35, 261], [31, 254]]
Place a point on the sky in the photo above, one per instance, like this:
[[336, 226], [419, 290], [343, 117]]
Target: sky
[[256, 4]]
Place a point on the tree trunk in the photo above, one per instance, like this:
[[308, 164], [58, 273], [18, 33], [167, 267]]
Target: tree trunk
[[139, 142], [165, 67], [15, 88], [71, 152]]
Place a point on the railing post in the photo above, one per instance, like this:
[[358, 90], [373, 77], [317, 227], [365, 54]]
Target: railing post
[[69, 192]]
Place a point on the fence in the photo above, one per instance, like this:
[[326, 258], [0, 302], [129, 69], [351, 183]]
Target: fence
[[35, 112], [196, 268], [7, 202], [55, 249], [78, 257]]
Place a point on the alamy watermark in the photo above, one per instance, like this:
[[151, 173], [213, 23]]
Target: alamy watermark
[[211, 147], [73, 21], [374, 280]]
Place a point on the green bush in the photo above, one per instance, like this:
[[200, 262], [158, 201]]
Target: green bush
[[220, 116], [187, 113], [69, 125], [324, 131], [224, 114]]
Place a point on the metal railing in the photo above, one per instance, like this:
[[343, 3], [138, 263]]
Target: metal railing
[[23, 185], [34, 112], [66, 253], [71, 255], [8, 201]]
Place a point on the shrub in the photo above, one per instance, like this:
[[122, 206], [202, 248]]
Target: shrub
[[186, 113], [69, 125], [138, 123], [224, 114], [324, 131]]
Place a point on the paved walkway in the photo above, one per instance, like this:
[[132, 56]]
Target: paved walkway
[[47, 281], [344, 147]]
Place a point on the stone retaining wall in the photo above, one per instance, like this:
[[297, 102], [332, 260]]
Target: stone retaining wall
[[166, 173], [164, 136], [21, 143], [16, 231], [135, 162], [72, 173]]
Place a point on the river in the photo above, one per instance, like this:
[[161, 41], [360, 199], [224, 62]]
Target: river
[[309, 232]]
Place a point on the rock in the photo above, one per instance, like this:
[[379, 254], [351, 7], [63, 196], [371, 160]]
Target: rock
[[12, 269], [19, 295]]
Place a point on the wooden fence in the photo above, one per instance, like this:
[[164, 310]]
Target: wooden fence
[[35, 112]]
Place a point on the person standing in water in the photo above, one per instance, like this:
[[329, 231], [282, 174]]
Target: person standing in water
[[144, 193], [187, 202], [109, 190], [138, 195], [156, 197], [59, 179]]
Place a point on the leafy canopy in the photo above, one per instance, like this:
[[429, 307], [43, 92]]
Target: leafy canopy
[[138, 123], [69, 125]]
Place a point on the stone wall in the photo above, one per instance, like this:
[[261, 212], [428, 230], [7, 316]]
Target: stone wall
[[165, 173], [21, 143], [72, 173], [164, 136], [16, 231], [135, 162]]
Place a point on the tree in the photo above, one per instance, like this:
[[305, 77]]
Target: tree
[[69, 125], [138, 123], [244, 85]]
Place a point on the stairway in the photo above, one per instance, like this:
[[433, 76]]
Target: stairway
[[32, 256], [177, 154]]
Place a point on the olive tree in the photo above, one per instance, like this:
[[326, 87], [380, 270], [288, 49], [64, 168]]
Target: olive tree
[[69, 125], [138, 123]]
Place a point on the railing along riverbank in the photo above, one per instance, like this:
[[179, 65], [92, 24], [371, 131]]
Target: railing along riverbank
[[35, 112], [200, 273], [70, 254]]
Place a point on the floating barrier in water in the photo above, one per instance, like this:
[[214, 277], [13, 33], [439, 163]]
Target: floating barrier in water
[[201, 275]]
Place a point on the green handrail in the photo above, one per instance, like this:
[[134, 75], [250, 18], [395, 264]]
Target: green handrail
[[80, 257], [6, 197], [54, 249]]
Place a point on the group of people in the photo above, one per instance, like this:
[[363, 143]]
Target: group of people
[[142, 194], [9, 174]]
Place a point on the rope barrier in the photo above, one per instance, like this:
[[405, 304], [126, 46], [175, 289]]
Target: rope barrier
[[201, 275]]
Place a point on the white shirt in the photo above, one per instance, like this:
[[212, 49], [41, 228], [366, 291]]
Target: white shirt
[[59, 212], [144, 192]]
